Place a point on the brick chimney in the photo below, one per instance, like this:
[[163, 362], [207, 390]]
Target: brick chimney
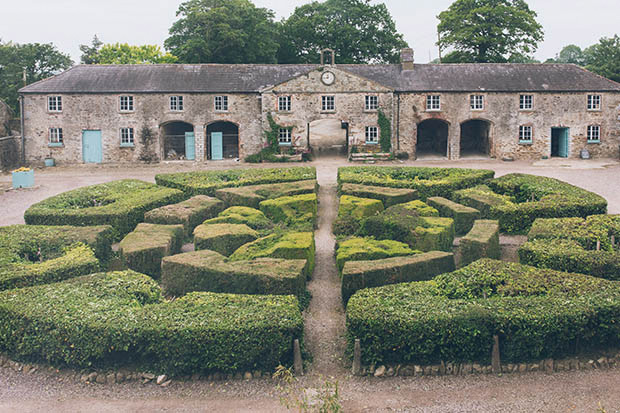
[[406, 59]]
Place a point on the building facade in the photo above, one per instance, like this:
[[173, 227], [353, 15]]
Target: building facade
[[128, 113]]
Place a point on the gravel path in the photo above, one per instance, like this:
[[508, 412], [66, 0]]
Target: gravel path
[[53, 391]]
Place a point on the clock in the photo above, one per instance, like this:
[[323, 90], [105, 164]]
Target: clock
[[328, 78]]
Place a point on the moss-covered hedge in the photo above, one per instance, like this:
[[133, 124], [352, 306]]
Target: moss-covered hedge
[[388, 196], [208, 182], [537, 314], [357, 275], [516, 200], [251, 217], [366, 249], [297, 211], [352, 210], [189, 213], [104, 320], [223, 238], [143, 249], [569, 244], [209, 271], [463, 216], [427, 181], [121, 204], [481, 242], [252, 196]]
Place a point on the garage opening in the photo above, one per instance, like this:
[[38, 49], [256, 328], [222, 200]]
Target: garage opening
[[222, 141], [432, 138], [178, 140], [475, 139], [327, 137]]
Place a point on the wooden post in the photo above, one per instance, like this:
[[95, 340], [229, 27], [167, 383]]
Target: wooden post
[[297, 363], [357, 358], [496, 363]]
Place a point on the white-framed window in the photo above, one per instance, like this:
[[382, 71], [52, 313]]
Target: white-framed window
[[55, 138], [525, 134], [126, 136], [372, 134], [526, 102], [284, 136], [433, 102], [284, 103], [176, 103], [594, 102], [126, 103], [372, 102], [476, 102], [54, 103], [328, 103], [221, 103], [594, 134]]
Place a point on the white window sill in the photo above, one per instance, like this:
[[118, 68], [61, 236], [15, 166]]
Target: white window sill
[[55, 144], [525, 142], [127, 145], [594, 141]]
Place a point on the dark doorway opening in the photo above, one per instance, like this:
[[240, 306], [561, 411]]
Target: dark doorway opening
[[178, 140], [222, 141], [559, 142], [432, 138], [475, 139]]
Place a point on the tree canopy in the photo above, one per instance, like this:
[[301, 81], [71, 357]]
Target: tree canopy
[[38, 61], [356, 30], [603, 58], [89, 53], [494, 31], [223, 31]]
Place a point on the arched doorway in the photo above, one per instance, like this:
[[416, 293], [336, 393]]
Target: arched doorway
[[178, 140], [476, 138], [222, 141], [328, 136], [432, 138]]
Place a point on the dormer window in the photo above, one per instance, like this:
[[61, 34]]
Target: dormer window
[[54, 103]]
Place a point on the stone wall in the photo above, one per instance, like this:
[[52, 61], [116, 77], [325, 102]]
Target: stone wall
[[5, 119], [10, 152]]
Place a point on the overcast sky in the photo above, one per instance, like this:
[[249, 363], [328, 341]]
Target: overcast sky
[[68, 23]]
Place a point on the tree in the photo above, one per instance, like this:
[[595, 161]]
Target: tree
[[121, 54], [89, 53], [603, 58], [571, 54], [490, 30], [223, 31], [37, 61], [356, 30]]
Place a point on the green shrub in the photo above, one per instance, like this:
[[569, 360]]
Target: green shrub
[[189, 213], [223, 238], [463, 216], [121, 204], [208, 182], [357, 275], [389, 196], [143, 249], [296, 211], [536, 313], [483, 199], [358, 208], [366, 249], [209, 271], [427, 181], [481, 242], [252, 196], [251, 217], [105, 320]]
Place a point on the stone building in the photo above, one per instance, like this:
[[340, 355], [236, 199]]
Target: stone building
[[118, 113]]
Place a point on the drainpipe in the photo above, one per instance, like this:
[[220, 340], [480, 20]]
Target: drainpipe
[[21, 113]]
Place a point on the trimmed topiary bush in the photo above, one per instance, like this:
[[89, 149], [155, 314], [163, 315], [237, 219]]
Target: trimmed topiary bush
[[427, 181], [536, 313], [208, 182], [251, 217], [223, 238], [389, 196], [121, 204], [252, 196], [143, 249], [295, 211], [481, 242], [209, 271], [365, 249], [189, 213], [463, 216], [105, 320], [483, 199], [352, 211], [357, 275]]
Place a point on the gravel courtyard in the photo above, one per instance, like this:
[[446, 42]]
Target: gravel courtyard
[[52, 390]]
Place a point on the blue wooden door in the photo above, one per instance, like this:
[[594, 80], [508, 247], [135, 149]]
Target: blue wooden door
[[190, 147], [92, 148], [217, 150], [563, 143]]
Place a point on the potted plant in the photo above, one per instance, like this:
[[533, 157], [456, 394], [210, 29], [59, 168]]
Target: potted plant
[[23, 178]]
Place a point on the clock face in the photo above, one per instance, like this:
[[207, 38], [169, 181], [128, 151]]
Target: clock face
[[328, 78]]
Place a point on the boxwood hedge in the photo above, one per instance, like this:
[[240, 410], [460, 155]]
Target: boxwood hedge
[[295, 211], [537, 314], [427, 181], [252, 196], [388, 196], [189, 213], [121, 204], [481, 242], [463, 216], [104, 320], [251, 217], [208, 182], [223, 238], [366, 249]]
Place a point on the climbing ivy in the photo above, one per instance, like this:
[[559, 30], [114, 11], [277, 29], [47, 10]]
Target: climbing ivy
[[273, 146], [385, 126]]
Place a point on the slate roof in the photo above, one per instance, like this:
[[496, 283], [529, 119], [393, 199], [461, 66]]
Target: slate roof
[[214, 78]]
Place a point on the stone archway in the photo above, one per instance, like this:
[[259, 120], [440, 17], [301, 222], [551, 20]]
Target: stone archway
[[327, 136], [177, 140], [432, 138], [222, 140], [475, 138]]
